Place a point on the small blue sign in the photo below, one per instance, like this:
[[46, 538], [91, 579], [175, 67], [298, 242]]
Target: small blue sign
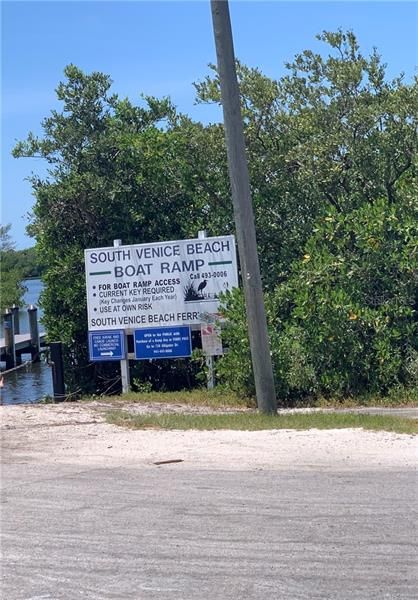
[[163, 342], [107, 345]]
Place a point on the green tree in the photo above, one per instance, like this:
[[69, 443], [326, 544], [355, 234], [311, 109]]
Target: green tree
[[346, 320], [331, 140], [333, 133], [354, 297], [12, 288], [27, 261], [333, 157], [116, 171]]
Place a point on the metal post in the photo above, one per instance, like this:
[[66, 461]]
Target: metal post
[[57, 371], [211, 372], [9, 339], [243, 210], [208, 359], [15, 311], [124, 373], [124, 364], [34, 333]]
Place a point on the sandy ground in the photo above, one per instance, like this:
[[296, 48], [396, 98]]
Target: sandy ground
[[72, 433]]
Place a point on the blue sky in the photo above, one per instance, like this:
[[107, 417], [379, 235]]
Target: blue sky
[[160, 48]]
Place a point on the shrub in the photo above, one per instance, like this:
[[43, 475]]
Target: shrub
[[346, 321]]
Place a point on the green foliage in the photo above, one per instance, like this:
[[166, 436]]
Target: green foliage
[[12, 273], [165, 375], [346, 320], [142, 387], [6, 242], [12, 289], [27, 261], [354, 294], [332, 160], [114, 173], [234, 368], [333, 133], [332, 154]]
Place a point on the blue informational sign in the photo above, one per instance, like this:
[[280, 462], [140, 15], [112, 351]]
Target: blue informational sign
[[107, 345], [163, 342]]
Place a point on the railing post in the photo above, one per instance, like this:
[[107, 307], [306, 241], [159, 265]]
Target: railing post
[[15, 312], [9, 339], [34, 333], [57, 371], [16, 331]]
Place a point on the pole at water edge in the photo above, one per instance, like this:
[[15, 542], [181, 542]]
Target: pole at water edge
[[9, 339], [15, 311], [57, 363], [124, 364], [16, 331], [34, 333]]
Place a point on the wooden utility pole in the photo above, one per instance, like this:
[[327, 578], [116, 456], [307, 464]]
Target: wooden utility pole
[[243, 210]]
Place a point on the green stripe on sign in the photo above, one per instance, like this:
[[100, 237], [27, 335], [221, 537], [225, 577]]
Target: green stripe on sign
[[101, 273], [221, 262]]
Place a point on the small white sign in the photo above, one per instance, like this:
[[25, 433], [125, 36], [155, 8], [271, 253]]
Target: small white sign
[[211, 340], [159, 284]]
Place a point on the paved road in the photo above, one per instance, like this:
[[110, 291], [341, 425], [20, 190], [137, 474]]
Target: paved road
[[170, 533]]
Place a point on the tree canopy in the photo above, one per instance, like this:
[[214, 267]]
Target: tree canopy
[[333, 133], [332, 151], [12, 271]]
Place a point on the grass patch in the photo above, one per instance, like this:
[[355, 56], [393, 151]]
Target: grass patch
[[397, 397], [257, 421], [200, 397], [219, 397]]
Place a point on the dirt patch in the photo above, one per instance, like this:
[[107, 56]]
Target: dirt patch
[[76, 433]]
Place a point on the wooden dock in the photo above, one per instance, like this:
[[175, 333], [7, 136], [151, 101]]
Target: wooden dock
[[22, 343], [14, 343], [22, 346]]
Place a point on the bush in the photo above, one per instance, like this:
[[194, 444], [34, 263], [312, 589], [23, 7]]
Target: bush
[[346, 320], [234, 369]]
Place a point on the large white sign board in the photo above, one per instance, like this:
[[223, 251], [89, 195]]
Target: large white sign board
[[164, 283]]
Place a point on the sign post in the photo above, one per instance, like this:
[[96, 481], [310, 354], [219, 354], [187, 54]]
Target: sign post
[[211, 346], [204, 332], [124, 363]]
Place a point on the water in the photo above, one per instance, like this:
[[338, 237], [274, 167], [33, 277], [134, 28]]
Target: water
[[27, 385], [31, 383]]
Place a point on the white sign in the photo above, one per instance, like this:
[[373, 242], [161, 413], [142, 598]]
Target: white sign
[[164, 283], [211, 340]]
